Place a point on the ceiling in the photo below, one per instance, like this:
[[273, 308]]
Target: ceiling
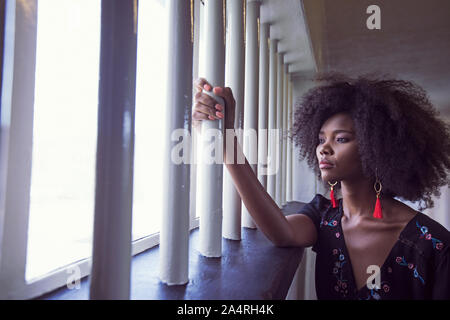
[[287, 24], [331, 35]]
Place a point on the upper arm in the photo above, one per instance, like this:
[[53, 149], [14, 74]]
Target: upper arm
[[303, 230]]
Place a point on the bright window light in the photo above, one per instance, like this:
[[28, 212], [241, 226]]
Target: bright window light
[[150, 124], [65, 130], [64, 135]]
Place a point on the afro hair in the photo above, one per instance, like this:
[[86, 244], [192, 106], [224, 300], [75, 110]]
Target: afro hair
[[399, 133]]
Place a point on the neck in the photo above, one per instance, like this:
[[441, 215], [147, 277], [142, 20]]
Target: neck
[[358, 198]]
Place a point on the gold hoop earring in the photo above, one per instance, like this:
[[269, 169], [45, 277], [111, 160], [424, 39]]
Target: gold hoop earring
[[333, 200], [377, 213]]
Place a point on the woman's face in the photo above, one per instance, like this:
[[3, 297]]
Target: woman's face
[[338, 145]]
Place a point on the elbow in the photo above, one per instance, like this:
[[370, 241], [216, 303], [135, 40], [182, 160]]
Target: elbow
[[284, 239], [282, 243]]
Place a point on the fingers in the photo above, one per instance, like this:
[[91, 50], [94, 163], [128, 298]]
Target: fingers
[[225, 93], [199, 116], [201, 84], [205, 99], [207, 105], [202, 112]]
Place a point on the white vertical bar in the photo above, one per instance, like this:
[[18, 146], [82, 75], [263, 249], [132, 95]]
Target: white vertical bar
[[280, 95], [251, 96], [284, 151], [272, 120], [263, 103], [174, 237], [212, 173], [16, 143], [289, 146], [194, 133], [293, 154], [234, 78], [111, 258]]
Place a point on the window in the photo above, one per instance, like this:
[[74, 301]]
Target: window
[[150, 124], [64, 135], [64, 138], [65, 130]]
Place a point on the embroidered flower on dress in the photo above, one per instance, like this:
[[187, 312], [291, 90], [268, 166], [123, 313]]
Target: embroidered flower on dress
[[437, 244], [377, 292], [375, 295], [341, 285], [401, 261], [331, 223], [372, 295]]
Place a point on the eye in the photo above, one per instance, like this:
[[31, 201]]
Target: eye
[[342, 139], [321, 140]]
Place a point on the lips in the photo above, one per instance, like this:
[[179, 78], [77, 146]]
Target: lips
[[325, 164]]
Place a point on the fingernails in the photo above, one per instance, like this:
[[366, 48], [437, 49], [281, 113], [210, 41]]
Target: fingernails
[[219, 107], [219, 114]]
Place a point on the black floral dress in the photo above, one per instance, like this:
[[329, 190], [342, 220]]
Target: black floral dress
[[417, 267]]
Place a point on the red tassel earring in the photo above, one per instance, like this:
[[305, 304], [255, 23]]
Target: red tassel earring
[[377, 213], [333, 200]]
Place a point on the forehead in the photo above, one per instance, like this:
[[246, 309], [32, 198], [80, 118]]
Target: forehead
[[338, 121]]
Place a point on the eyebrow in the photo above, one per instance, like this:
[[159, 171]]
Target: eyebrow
[[339, 130]]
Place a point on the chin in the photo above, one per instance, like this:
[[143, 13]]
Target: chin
[[329, 177]]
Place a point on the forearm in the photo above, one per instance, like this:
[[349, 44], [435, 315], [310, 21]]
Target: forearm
[[263, 209]]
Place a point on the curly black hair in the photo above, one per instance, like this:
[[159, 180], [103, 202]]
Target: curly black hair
[[399, 133]]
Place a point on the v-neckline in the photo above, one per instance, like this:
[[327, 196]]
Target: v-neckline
[[388, 257]]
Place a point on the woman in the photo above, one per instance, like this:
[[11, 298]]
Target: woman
[[374, 140]]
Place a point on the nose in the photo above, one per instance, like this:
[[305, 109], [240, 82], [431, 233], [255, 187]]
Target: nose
[[325, 149]]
